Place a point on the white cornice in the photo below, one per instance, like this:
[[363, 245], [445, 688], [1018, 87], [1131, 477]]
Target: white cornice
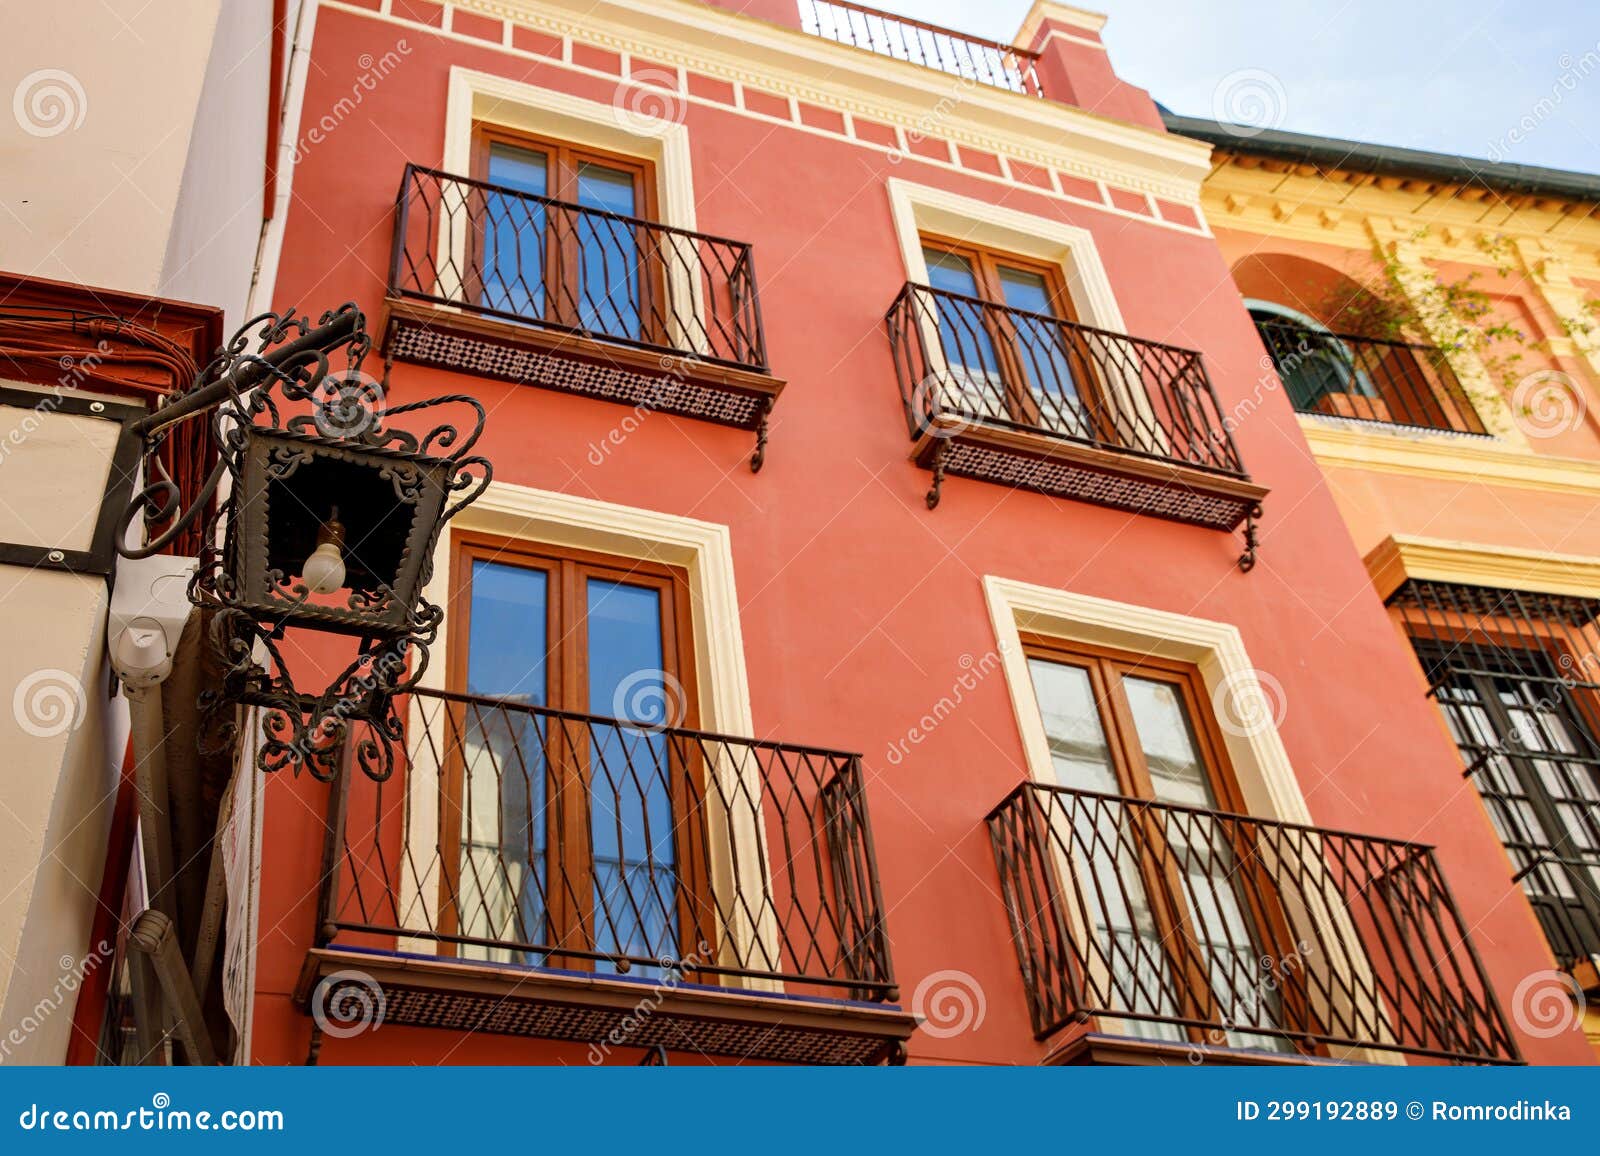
[[1448, 457], [733, 47]]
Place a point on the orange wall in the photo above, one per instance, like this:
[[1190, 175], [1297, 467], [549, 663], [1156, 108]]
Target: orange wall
[[858, 603]]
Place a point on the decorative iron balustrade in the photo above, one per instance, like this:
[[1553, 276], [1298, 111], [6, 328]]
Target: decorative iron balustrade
[[1033, 401], [501, 253], [902, 38], [522, 835], [1368, 378], [1516, 673], [1201, 927]]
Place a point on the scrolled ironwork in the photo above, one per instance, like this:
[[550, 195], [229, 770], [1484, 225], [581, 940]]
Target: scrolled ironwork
[[281, 394]]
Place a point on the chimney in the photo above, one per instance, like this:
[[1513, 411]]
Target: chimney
[[1074, 67]]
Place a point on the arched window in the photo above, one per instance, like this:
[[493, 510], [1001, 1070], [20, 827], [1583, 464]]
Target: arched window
[[1311, 360]]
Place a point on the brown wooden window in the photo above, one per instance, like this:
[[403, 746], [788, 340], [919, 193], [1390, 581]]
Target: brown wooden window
[[1177, 906], [568, 811], [1000, 320], [560, 238]]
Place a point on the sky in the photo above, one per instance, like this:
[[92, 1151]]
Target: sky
[[1509, 80]]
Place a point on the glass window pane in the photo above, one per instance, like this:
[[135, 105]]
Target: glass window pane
[[608, 276], [1044, 353], [514, 234], [501, 876], [971, 363], [1078, 748], [1167, 738], [630, 787]]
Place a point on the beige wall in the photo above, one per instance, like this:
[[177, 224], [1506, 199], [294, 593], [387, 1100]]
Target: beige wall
[[134, 144]]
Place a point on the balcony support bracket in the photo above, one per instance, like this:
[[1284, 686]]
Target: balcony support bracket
[[938, 473], [759, 457], [1247, 560]]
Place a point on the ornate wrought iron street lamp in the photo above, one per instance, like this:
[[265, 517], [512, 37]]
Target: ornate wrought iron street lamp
[[328, 523]]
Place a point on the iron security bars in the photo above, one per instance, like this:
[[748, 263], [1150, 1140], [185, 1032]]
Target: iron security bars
[[1368, 378], [518, 257], [1515, 673], [1204, 927], [523, 835], [963, 360], [956, 53]]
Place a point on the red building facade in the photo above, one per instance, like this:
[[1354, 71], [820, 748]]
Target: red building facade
[[969, 670]]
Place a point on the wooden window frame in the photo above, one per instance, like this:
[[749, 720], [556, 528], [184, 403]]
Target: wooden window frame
[[561, 253], [986, 264], [570, 917], [1106, 668]]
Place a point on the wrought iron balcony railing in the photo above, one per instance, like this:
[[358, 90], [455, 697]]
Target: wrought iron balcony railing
[[536, 260], [588, 846], [1087, 403], [1368, 378], [956, 53], [1200, 927], [535, 290]]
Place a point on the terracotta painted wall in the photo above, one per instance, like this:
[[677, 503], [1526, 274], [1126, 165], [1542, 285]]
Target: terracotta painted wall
[[859, 605]]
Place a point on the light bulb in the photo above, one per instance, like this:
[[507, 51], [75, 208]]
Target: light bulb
[[323, 572]]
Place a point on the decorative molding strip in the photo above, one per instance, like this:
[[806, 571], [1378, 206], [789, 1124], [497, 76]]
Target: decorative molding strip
[[1447, 457], [789, 63]]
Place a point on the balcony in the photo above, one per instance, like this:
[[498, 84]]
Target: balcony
[[546, 874], [901, 38], [1150, 930], [1031, 401], [1368, 379], [497, 283]]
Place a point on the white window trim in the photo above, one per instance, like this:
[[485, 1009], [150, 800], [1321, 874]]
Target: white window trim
[[1216, 649], [484, 98], [475, 98], [919, 209], [704, 551]]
